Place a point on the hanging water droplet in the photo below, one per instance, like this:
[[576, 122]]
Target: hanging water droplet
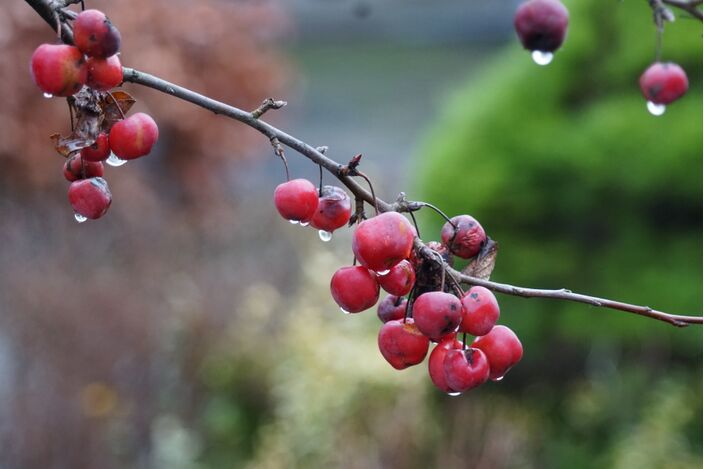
[[113, 160], [79, 218], [293, 222], [541, 57], [655, 109], [304, 223], [383, 272], [324, 236], [498, 379], [453, 394], [48, 95], [344, 310]]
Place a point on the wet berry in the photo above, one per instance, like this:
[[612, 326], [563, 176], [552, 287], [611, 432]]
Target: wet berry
[[99, 150], [392, 307], [334, 209], [465, 238], [95, 35], [133, 137], [402, 344], [502, 349], [399, 280], [383, 241], [437, 314], [480, 311], [90, 197], [58, 69], [296, 199], [354, 289], [541, 25], [436, 362], [104, 74], [74, 169], [663, 83], [465, 369]]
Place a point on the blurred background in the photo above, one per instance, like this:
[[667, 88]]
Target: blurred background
[[193, 328]]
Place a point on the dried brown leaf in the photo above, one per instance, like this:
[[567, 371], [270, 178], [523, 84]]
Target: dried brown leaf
[[111, 108], [483, 264], [68, 145]]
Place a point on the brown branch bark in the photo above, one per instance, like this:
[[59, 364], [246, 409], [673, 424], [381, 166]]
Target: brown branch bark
[[317, 156]]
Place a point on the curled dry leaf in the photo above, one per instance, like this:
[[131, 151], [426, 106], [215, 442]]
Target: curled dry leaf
[[483, 264], [111, 107]]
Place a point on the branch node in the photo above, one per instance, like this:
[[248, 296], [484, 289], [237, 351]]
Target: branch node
[[267, 104]]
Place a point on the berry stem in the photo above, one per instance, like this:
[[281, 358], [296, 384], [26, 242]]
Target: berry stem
[[440, 212], [320, 181], [415, 223]]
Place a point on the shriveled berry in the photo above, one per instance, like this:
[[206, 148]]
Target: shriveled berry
[[502, 349], [436, 362], [383, 241], [99, 150], [663, 83], [399, 280], [392, 307], [541, 24], [465, 369], [58, 69], [465, 238], [437, 314], [402, 344], [334, 209], [133, 137], [75, 169], [480, 311], [296, 199], [104, 74], [354, 288], [90, 197], [95, 35]]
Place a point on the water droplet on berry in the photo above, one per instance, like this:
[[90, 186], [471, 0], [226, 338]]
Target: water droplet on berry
[[541, 57], [656, 109], [453, 394], [344, 311], [498, 379], [293, 222], [79, 218], [304, 223], [113, 160], [324, 236], [48, 95], [383, 272]]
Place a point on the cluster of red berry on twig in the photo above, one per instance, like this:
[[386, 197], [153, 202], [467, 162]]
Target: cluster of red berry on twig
[[541, 26], [85, 73], [433, 311]]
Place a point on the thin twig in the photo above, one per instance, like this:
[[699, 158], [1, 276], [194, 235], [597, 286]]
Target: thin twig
[[266, 105]]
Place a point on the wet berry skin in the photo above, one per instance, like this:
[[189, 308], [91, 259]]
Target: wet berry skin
[[99, 150], [541, 24], [95, 35], [296, 199], [383, 241], [465, 369], [392, 307], [663, 83], [104, 74], [58, 69], [74, 169], [133, 137], [437, 314], [354, 288], [334, 209], [436, 362], [480, 311], [399, 280], [402, 344], [502, 348], [90, 197], [465, 239]]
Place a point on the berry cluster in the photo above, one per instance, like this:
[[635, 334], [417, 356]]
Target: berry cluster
[[541, 26], [92, 68], [384, 248]]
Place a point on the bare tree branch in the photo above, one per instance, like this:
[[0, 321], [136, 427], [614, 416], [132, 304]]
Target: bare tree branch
[[48, 9], [689, 6]]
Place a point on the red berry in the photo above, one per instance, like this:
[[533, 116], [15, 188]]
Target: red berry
[[392, 307], [436, 362], [99, 150], [541, 24], [296, 199], [133, 137], [465, 238], [95, 35], [399, 280], [354, 289], [437, 314], [381, 242], [90, 197], [663, 83], [402, 344], [59, 70], [75, 169], [480, 311], [502, 349], [334, 209], [104, 74], [465, 369]]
